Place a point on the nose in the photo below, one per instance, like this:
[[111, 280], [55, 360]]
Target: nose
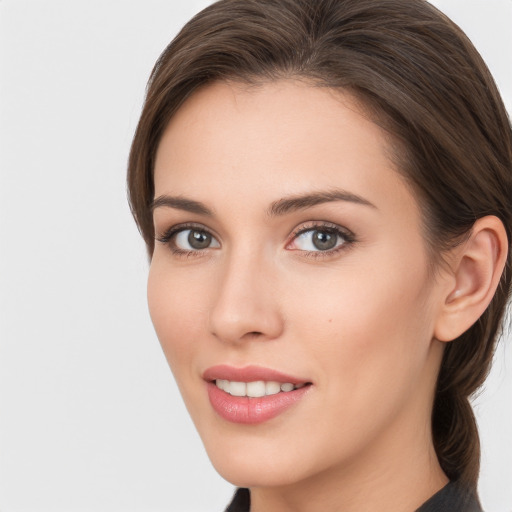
[[246, 304]]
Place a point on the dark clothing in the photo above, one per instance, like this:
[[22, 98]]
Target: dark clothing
[[241, 501], [451, 498]]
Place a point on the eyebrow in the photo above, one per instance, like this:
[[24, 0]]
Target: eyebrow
[[181, 203], [301, 202], [277, 208]]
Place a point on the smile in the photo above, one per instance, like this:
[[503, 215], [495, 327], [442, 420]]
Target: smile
[[253, 394], [255, 389]]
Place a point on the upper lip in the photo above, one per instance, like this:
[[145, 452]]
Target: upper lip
[[250, 373]]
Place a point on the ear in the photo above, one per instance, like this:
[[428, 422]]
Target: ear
[[476, 268]]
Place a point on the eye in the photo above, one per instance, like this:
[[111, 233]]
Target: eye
[[186, 240], [321, 238], [194, 240]]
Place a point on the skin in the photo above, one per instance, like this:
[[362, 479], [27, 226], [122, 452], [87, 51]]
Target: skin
[[359, 323]]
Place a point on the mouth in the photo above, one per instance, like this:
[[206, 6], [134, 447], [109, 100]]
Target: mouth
[[252, 394], [256, 389]]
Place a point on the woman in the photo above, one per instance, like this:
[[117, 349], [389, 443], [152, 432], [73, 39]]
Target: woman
[[324, 191]]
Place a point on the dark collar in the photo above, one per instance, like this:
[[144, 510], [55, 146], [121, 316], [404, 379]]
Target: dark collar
[[454, 497], [241, 501]]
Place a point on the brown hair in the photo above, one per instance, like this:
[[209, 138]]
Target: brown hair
[[423, 81]]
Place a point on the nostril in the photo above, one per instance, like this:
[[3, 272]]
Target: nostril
[[253, 334]]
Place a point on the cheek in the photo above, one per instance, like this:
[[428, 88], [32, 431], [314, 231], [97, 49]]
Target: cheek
[[359, 305], [368, 330], [176, 312], [364, 341]]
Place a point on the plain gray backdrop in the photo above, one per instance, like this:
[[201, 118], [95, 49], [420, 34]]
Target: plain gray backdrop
[[90, 418]]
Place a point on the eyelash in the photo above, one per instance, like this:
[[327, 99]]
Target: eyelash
[[345, 234], [167, 238], [348, 238]]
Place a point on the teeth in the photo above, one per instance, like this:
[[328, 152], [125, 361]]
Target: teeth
[[255, 389], [222, 384], [272, 388], [237, 388]]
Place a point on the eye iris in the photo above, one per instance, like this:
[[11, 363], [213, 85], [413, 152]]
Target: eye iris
[[324, 240], [199, 239]]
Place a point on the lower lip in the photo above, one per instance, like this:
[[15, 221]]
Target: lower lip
[[251, 411]]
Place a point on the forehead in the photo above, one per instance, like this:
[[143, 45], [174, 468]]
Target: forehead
[[278, 138]]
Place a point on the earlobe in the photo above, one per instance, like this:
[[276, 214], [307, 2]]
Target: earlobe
[[477, 266]]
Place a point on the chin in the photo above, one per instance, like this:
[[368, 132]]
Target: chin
[[268, 457], [241, 471]]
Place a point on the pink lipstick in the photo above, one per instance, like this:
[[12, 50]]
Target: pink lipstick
[[252, 394]]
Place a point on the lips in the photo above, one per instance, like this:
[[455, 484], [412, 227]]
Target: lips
[[249, 374], [252, 394]]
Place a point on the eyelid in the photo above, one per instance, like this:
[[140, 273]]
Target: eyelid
[[167, 236], [348, 236], [318, 225]]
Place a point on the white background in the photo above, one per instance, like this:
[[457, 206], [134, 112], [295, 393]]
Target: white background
[[90, 418]]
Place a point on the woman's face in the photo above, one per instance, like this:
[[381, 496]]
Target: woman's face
[[291, 256]]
